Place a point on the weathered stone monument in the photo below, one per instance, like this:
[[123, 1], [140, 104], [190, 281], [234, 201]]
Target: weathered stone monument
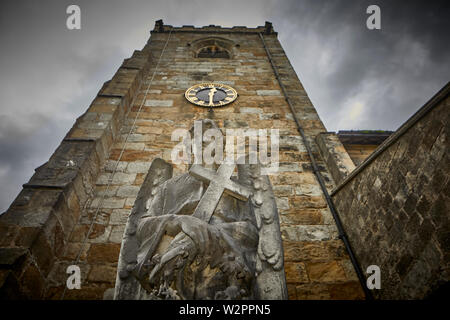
[[202, 235]]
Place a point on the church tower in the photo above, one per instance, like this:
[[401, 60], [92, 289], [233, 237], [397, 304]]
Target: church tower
[[74, 209]]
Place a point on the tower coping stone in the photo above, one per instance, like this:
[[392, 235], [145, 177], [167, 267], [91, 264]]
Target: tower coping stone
[[160, 27]]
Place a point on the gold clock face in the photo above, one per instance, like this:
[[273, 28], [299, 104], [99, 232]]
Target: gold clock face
[[211, 95]]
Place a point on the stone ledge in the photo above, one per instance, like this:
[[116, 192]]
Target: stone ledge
[[64, 165], [335, 156], [137, 61]]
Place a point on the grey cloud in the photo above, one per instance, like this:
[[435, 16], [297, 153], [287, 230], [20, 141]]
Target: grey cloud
[[390, 72]]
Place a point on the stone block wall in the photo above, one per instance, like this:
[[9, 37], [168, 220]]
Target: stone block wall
[[395, 206], [316, 263]]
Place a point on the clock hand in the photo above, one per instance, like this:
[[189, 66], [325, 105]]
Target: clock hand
[[211, 96]]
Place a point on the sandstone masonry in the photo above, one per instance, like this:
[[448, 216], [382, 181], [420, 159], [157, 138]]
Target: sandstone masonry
[[74, 209]]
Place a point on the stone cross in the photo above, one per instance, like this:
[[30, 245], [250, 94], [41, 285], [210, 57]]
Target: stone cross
[[219, 182]]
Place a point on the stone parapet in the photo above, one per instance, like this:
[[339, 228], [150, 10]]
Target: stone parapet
[[161, 27]]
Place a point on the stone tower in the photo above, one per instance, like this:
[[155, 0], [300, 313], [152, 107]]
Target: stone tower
[[74, 209]]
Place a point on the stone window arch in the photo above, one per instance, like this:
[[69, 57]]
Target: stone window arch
[[213, 52], [213, 47]]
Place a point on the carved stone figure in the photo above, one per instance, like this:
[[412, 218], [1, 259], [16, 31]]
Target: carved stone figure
[[202, 235]]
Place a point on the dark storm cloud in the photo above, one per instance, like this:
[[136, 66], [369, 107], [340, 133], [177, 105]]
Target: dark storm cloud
[[367, 79], [49, 76], [356, 78]]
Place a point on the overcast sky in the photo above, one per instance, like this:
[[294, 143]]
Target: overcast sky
[[356, 78]]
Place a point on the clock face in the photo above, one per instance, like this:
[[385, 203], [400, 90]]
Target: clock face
[[211, 95]]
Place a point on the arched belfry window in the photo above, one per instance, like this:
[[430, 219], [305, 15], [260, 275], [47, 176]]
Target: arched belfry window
[[213, 52], [213, 47]]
